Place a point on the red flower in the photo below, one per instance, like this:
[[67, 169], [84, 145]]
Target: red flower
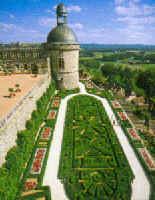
[[29, 185], [52, 114], [122, 115], [147, 159], [116, 104], [36, 166], [46, 133], [133, 133]]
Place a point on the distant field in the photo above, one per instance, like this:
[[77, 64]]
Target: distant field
[[148, 66], [86, 58], [124, 63], [142, 67], [134, 67], [98, 54]]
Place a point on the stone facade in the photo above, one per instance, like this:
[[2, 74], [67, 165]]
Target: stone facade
[[20, 53], [65, 65], [17, 117]]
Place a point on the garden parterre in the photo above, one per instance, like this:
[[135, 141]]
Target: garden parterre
[[34, 172], [134, 137], [93, 165], [36, 166]]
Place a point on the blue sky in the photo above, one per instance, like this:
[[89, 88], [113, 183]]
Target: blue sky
[[94, 21]]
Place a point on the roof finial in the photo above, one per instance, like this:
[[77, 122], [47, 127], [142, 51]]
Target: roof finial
[[61, 14]]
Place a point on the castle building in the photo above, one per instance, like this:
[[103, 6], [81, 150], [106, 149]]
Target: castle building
[[63, 50]]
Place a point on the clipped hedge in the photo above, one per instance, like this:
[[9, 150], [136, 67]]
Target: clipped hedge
[[137, 144], [17, 157], [45, 193], [93, 165]]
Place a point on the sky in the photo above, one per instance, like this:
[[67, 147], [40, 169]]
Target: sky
[[93, 21]]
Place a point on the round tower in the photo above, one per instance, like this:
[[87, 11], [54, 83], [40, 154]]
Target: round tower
[[64, 52]]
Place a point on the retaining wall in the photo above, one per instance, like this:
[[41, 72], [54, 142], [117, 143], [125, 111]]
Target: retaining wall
[[16, 119]]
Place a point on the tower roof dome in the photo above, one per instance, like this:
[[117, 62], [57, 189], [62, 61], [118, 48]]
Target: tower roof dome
[[62, 33]]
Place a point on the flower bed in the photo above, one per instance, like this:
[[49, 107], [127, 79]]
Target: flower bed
[[116, 104], [30, 184], [89, 85], [147, 157], [52, 114], [38, 161], [55, 103], [57, 98], [46, 133], [122, 115], [133, 133]]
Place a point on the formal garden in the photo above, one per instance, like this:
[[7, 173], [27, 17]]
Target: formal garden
[[21, 176], [93, 165], [142, 144]]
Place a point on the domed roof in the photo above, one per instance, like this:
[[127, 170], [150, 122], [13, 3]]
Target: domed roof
[[62, 34]]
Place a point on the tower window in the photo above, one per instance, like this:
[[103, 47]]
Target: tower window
[[61, 63]]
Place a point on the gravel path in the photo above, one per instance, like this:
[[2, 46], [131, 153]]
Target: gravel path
[[26, 82], [140, 185]]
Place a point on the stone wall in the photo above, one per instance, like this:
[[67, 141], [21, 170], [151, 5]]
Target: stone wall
[[16, 119], [65, 65]]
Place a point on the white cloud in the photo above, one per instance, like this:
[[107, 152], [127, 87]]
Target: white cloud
[[74, 8], [48, 11], [98, 35], [136, 1], [55, 7], [71, 8], [132, 34], [136, 34], [13, 28], [11, 16], [7, 27], [119, 1], [76, 26], [136, 20], [148, 10], [133, 9], [12, 32], [47, 21], [126, 1], [130, 10]]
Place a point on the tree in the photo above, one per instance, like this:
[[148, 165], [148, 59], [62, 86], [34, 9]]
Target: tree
[[98, 78], [146, 81], [147, 118], [18, 88], [11, 90], [34, 69]]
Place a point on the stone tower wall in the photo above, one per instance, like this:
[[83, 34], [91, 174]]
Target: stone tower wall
[[66, 71]]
